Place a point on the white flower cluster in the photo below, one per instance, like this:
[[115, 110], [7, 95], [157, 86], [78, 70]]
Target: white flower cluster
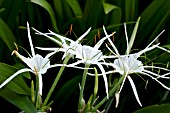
[[123, 64]]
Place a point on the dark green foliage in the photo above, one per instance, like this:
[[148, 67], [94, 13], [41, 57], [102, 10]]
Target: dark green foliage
[[58, 16]]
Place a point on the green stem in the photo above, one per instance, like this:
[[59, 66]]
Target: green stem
[[112, 91], [56, 81], [82, 87]]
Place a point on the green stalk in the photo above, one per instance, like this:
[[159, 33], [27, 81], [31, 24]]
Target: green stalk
[[55, 81], [82, 87], [32, 92], [112, 91]]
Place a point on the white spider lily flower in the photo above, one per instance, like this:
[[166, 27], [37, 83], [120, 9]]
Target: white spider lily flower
[[68, 46], [92, 55], [36, 63], [128, 64]]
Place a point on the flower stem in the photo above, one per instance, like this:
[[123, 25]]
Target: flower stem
[[82, 87], [112, 91], [56, 81]]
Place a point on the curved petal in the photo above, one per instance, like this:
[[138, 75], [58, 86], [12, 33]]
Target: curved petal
[[105, 78], [14, 75], [73, 66], [114, 47], [30, 40], [108, 72], [157, 81], [24, 59], [126, 36], [53, 39], [157, 76], [81, 37], [134, 89]]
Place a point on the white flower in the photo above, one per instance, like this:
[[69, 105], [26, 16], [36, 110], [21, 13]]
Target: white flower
[[92, 55], [36, 63], [128, 64]]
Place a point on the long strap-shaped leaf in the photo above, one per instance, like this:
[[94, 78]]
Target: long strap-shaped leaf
[[48, 8], [6, 35]]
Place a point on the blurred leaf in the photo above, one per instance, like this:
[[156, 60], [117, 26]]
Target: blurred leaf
[[164, 108], [2, 9], [21, 101], [131, 10], [14, 12], [48, 8], [58, 5], [133, 36], [75, 7], [17, 84], [65, 91], [108, 7], [92, 13], [6, 35], [152, 21]]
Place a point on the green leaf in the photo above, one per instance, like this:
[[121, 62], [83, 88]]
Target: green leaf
[[131, 10], [48, 8], [133, 36], [58, 6], [14, 11], [153, 20], [92, 13], [21, 101], [75, 7], [164, 108], [65, 91], [6, 35], [17, 85], [108, 7]]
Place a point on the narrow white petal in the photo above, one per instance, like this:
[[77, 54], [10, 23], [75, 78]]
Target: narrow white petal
[[105, 78], [30, 40], [157, 81], [117, 96], [24, 59], [14, 75], [127, 41], [134, 89], [146, 50], [53, 39], [114, 47], [122, 83], [76, 63], [104, 29], [164, 75], [157, 76], [57, 65], [100, 42], [155, 39], [108, 72], [163, 49], [81, 37], [110, 56], [50, 54], [155, 67], [49, 48]]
